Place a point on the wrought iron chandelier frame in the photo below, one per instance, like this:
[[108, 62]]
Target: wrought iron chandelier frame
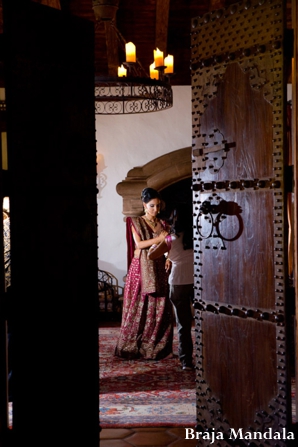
[[118, 96]]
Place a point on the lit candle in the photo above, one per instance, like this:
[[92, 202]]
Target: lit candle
[[169, 63], [130, 51], [158, 58], [153, 72], [121, 71]]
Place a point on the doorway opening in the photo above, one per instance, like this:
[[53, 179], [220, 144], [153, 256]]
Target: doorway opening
[[154, 386]]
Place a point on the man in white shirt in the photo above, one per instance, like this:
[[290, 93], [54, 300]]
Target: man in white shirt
[[180, 265]]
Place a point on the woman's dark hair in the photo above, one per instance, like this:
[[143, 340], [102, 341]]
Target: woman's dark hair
[[181, 222], [149, 194]]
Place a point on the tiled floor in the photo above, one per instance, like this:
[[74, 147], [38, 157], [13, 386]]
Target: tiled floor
[[145, 437]]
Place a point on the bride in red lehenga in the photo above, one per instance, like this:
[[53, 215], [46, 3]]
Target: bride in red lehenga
[[146, 327]]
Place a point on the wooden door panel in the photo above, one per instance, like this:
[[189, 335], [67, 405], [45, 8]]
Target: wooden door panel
[[244, 252], [245, 374], [240, 232], [252, 131]]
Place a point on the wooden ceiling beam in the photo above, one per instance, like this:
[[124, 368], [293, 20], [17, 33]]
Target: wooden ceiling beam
[[216, 4], [162, 24], [51, 3]]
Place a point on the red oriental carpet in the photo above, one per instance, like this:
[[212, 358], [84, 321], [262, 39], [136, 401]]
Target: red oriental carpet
[[143, 393]]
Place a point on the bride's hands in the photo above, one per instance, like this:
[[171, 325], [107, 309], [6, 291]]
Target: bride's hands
[[163, 234]]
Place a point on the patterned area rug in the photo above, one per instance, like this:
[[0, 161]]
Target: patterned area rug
[[142, 393], [145, 393]]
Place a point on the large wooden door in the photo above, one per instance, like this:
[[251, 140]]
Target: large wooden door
[[53, 303], [239, 204]]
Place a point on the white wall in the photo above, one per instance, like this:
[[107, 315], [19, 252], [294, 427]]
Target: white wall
[[124, 142]]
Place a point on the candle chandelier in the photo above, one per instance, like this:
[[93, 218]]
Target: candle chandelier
[[133, 90]]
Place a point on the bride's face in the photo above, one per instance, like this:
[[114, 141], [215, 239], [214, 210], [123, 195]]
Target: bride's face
[[152, 208]]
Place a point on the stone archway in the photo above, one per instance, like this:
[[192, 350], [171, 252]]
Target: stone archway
[[158, 173]]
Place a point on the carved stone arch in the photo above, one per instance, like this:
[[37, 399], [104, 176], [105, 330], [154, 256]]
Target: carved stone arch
[[158, 174]]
